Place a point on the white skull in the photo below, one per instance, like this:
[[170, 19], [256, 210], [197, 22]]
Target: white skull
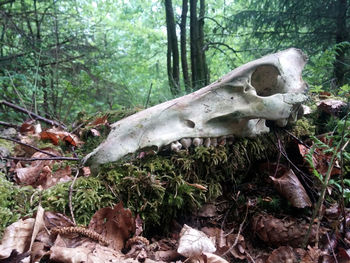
[[269, 88]]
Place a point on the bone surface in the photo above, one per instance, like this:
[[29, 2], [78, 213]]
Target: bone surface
[[269, 88]]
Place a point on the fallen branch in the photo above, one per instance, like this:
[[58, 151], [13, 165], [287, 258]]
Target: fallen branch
[[32, 114], [42, 159], [70, 196], [9, 125], [30, 146]]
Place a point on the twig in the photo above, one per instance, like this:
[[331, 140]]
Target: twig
[[42, 159], [70, 196], [32, 114], [9, 125], [297, 139], [333, 254], [239, 232], [30, 146]]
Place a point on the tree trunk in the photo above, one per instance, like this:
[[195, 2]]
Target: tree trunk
[[173, 51], [198, 65], [204, 67], [184, 64], [341, 36]]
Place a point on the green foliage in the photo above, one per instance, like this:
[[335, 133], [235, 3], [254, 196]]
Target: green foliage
[[14, 202], [90, 194]]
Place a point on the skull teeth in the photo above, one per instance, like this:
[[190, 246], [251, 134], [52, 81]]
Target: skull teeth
[[175, 146], [197, 141], [186, 143]]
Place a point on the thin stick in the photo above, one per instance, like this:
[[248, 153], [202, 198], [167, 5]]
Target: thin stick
[[9, 125], [239, 232], [30, 146], [70, 196], [42, 159], [32, 114]]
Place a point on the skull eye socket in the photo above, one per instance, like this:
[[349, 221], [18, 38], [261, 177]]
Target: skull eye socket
[[265, 80], [190, 124]]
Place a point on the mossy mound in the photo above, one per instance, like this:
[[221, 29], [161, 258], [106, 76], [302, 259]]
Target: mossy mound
[[158, 187]]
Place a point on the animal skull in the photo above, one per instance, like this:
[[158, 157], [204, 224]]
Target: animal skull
[[269, 88]]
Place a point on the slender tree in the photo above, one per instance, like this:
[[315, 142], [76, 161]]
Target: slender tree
[[198, 61], [173, 50], [183, 46]]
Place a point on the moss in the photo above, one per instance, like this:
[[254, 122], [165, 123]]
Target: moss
[[159, 188], [303, 127], [7, 144], [14, 202]]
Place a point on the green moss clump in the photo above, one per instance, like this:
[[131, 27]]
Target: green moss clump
[[303, 127], [14, 202]]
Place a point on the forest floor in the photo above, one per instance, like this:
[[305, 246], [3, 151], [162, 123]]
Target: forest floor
[[280, 197]]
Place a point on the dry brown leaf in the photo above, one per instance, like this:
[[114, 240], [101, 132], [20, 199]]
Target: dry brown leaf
[[39, 173], [225, 242], [17, 236], [27, 127], [284, 254], [320, 160], [55, 135], [290, 187], [166, 255], [115, 224], [312, 255], [99, 121], [287, 231]]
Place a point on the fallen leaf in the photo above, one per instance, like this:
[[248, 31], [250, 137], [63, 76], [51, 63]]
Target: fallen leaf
[[115, 224], [193, 242], [290, 187], [27, 127], [17, 236]]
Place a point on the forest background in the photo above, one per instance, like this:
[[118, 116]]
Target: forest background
[[59, 58]]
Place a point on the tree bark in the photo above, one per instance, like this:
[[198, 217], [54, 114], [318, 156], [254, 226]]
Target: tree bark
[[341, 36], [183, 41], [173, 51], [198, 65]]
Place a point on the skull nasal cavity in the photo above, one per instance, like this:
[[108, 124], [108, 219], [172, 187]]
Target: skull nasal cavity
[[190, 123], [265, 80]]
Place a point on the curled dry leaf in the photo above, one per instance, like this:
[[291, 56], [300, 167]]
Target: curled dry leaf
[[39, 173], [290, 187], [287, 231], [193, 242], [17, 236], [55, 135], [115, 224], [20, 235]]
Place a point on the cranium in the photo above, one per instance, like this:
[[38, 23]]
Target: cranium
[[269, 88]]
